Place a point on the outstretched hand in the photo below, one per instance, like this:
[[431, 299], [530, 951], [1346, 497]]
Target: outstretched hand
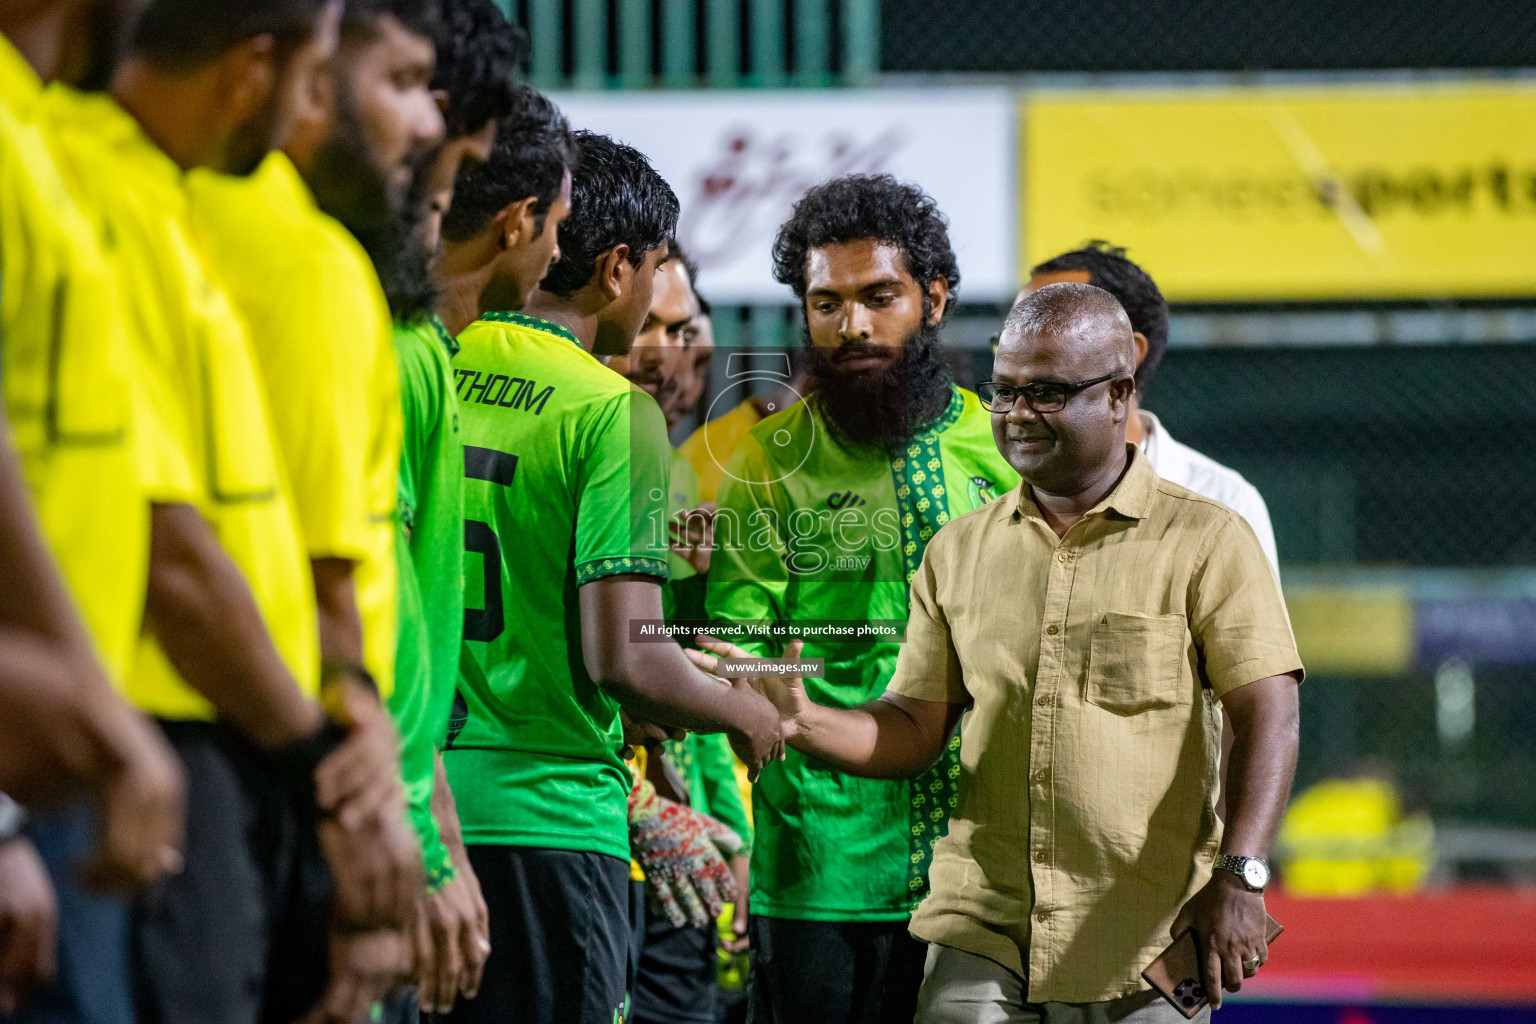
[[760, 737], [787, 693]]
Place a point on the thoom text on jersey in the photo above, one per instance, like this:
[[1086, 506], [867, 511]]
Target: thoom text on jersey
[[500, 389]]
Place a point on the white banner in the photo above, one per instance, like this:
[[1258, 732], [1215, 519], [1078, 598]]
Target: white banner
[[739, 159]]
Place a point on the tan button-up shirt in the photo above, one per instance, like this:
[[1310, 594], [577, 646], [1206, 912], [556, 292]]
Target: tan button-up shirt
[[1092, 664]]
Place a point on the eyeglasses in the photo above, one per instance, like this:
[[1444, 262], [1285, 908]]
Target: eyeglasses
[[1040, 395]]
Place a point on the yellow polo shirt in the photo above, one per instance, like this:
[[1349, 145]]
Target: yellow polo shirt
[[200, 387], [709, 448], [68, 376], [1093, 665], [320, 327]]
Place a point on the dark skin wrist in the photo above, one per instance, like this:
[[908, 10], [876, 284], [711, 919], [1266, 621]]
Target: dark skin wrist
[[1229, 920], [655, 682]]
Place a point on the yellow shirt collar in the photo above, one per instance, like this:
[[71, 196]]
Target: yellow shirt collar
[[113, 129], [280, 181]]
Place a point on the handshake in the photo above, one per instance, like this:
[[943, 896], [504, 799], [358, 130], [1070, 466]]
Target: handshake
[[772, 711]]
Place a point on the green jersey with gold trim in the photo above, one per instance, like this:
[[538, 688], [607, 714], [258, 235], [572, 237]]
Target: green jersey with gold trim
[[566, 470], [811, 531]]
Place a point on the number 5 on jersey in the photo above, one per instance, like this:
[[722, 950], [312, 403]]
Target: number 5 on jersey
[[486, 622]]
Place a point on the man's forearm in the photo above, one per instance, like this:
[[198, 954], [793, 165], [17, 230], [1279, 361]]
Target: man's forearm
[[341, 625], [1265, 727], [201, 611], [881, 739], [657, 683]]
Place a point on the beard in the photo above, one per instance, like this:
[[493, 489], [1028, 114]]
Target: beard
[[400, 254], [886, 407], [404, 266], [349, 184], [252, 141]]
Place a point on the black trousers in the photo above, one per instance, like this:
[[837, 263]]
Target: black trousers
[[676, 982], [240, 935], [833, 972], [560, 937]]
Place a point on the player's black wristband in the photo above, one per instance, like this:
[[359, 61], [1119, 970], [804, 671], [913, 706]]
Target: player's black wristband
[[333, 669], [296, 762]]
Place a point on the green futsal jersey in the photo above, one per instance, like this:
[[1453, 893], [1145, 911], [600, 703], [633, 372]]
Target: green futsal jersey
[[684, 595], [429, 550], [566, 472], [812, 531]]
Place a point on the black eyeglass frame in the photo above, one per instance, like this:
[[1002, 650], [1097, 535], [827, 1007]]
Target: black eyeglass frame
[[1069, 391]]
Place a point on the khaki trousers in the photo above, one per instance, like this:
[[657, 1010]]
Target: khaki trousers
[[962, 988]]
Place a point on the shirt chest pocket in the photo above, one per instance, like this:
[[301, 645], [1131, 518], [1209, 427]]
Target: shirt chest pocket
[[88, 372], [1135, 662]]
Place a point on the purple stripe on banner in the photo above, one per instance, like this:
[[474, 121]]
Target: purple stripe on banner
[[1475, 629]]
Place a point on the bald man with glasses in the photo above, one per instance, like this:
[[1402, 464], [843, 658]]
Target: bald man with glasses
[[1097, 623]]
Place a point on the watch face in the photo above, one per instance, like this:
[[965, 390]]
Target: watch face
[[1255, 874]]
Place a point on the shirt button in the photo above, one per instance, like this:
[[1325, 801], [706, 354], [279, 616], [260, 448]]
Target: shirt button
[[1043, 700], [1042, 775], [1041, 856], [1042, 916], [1052, 630], [1062, 558]]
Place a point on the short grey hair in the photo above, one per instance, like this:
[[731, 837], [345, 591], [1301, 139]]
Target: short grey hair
[[1074, 308]]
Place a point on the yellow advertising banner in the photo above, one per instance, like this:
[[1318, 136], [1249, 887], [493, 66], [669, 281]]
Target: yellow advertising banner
[[1316, 193]]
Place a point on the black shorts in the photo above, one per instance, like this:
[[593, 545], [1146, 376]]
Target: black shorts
[[240, 935], [833, 972], [676, 983], [560, 937]]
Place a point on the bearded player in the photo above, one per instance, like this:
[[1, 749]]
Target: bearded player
[[853, 482]]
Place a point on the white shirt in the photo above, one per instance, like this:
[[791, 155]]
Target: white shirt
[[1180, 464]]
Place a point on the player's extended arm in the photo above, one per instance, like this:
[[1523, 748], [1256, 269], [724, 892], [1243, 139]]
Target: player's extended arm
[[890, 737], [202, 612], [656, 681]]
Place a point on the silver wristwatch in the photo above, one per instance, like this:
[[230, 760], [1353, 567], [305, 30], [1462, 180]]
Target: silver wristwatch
[[1253, 872]]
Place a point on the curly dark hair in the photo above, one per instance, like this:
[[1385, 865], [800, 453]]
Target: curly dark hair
[[479, 54], [1108, 268], [533, 150], [860, 206], [617, 198]]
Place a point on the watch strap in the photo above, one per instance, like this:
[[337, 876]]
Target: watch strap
[[1235, 863]]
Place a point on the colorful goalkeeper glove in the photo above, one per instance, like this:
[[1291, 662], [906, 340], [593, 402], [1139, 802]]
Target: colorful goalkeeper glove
[[686, 879]]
